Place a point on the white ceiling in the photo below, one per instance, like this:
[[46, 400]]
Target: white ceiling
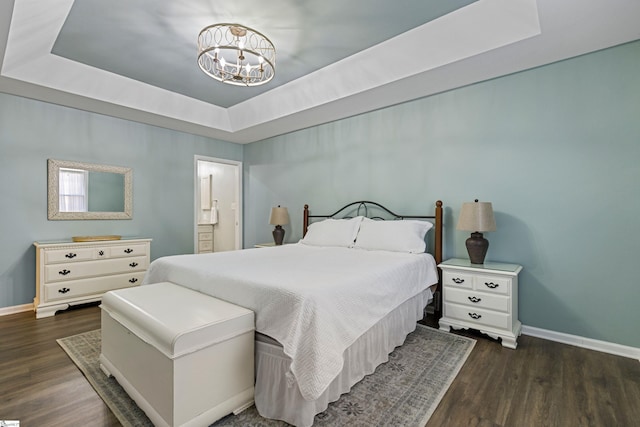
[[135, 59]]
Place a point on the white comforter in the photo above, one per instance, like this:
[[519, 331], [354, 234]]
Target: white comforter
[[316, 301]]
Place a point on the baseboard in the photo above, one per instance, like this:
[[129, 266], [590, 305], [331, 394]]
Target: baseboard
[[4, 311], [591, 344]]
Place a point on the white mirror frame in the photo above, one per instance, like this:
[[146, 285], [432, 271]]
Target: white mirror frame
[[53, 193]]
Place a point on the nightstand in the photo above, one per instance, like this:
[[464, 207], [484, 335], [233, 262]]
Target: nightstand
[[268, 245], [264, 245], [482, 297]]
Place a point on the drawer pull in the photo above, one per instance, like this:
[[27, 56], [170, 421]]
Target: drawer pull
[[475, 315], [128, 251], [133, 264], [64, 272], [457, 280], [64, 290], [474, 299], [101, 253], [133, 280], [491, 285], [70, 255]]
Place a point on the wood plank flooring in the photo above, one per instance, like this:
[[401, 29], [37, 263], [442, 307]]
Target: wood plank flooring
[[39, 384], [542, 383]]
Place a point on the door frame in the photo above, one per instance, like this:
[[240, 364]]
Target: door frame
[[239, 211]]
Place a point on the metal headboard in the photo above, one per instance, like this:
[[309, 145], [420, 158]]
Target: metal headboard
[[362, 207]]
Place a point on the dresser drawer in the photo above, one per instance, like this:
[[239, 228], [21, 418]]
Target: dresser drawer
[[457, 280], [206, 245], [68, 255], [127, 251], [476, 299], [72, 271], [95, 285], [205, 236], [205, 228], [477, 316], [493, 284]]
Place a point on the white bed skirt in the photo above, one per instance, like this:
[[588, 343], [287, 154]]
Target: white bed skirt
[[276, 399]]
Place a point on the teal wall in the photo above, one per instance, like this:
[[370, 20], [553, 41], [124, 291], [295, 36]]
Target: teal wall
[[162, 161], [556, 149]]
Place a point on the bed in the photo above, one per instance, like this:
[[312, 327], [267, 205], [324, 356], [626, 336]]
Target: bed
[[330, 308]]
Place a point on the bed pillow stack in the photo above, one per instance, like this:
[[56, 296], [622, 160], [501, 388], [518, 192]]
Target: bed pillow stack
[[364, 233]]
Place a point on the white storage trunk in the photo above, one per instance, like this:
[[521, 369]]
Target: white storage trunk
[[186, 358]]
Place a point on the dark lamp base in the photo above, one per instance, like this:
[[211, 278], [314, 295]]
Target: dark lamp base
[[278, 235], [477, 247]]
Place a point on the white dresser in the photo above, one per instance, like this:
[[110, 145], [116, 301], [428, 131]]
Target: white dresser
[[70, 273], [482, 297]]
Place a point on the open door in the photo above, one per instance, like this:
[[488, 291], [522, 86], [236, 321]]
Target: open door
[[218, 205]]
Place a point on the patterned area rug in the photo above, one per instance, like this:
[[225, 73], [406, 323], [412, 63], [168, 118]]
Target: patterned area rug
[[404, 391]]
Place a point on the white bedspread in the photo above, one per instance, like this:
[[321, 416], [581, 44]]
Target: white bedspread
[[316, 301]]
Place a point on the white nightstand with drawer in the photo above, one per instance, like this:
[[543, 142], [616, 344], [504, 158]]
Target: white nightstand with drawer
[[482, 297]]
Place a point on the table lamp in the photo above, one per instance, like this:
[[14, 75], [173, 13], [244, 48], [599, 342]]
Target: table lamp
[[279, 217], [477, 217]]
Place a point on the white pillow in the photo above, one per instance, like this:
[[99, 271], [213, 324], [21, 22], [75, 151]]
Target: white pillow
[[396, 235], [333, 232]]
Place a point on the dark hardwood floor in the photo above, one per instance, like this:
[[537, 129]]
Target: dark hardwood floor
[[542, 383], [39, 384]]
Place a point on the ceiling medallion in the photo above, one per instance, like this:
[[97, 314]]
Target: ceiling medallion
[[236, 55]]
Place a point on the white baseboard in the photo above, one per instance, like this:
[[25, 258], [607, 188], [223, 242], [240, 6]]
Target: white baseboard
[[4, 311], [591, 344]]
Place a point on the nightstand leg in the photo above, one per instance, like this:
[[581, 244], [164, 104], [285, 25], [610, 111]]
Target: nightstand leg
[[444, 326]]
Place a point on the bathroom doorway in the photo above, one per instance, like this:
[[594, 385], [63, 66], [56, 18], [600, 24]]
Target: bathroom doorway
[[217, 205]]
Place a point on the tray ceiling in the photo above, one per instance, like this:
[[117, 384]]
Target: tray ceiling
[[136, 59]]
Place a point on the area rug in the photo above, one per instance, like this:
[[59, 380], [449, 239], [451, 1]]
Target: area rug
[[402, 392]]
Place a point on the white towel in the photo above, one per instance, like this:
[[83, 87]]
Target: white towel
[[214, 213]]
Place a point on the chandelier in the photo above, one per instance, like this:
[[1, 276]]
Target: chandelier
[[235, 54]]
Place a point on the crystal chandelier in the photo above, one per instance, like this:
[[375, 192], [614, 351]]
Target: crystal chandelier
[[235, 54]]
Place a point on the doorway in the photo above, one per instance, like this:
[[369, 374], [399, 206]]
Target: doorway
[[217, 205]]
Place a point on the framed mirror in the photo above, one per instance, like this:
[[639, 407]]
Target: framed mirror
[[88, 191]]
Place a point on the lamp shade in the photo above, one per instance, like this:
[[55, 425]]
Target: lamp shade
[[476, 216], [279, 216]]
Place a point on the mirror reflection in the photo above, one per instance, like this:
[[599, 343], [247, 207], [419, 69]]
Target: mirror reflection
[[88, 191]]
